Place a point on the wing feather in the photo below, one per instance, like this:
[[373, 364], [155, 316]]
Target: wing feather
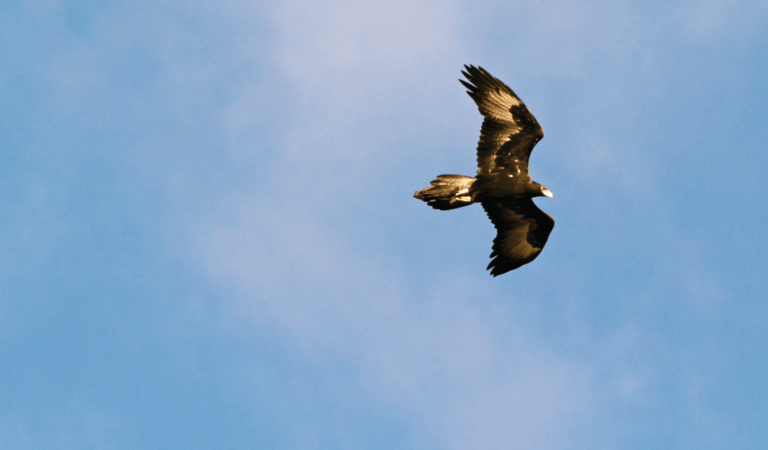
[[522, 230], [509, 131]]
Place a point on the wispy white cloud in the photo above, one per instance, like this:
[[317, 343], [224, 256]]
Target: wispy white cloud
[[297, 269], [432, 358]]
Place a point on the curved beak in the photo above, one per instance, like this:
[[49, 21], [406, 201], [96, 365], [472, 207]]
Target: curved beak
[[546, 192]]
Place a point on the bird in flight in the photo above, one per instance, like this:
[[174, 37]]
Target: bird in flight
[[502, 185]]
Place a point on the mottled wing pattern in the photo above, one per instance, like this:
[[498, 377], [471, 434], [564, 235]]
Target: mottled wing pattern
[[509, 130], [522, 230]]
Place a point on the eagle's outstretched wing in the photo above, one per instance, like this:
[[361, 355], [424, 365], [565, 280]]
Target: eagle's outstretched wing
[[509, 130], [522, 230]]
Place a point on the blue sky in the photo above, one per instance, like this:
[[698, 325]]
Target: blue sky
[[210, 239]]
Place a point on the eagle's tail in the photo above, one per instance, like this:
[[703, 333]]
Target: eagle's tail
[[447, 192]]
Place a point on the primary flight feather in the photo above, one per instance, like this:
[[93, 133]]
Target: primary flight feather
[[502, 185]]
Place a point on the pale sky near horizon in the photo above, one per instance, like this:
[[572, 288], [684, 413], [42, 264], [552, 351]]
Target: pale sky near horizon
[[210, 240]]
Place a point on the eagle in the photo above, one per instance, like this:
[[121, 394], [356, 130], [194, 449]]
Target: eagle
[[502, 185]]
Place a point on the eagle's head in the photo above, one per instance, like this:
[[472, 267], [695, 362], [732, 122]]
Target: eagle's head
[[536, 190]]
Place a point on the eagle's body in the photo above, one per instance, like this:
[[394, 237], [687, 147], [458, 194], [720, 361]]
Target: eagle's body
[[503, 185]]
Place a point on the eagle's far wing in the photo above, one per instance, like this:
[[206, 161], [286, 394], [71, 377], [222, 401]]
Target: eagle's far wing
[[522, 230], [509, 130]]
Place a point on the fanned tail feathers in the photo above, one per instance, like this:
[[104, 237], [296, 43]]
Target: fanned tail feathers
[[447, 192]]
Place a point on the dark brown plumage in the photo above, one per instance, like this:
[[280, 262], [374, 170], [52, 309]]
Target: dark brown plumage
[[502, 185]]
